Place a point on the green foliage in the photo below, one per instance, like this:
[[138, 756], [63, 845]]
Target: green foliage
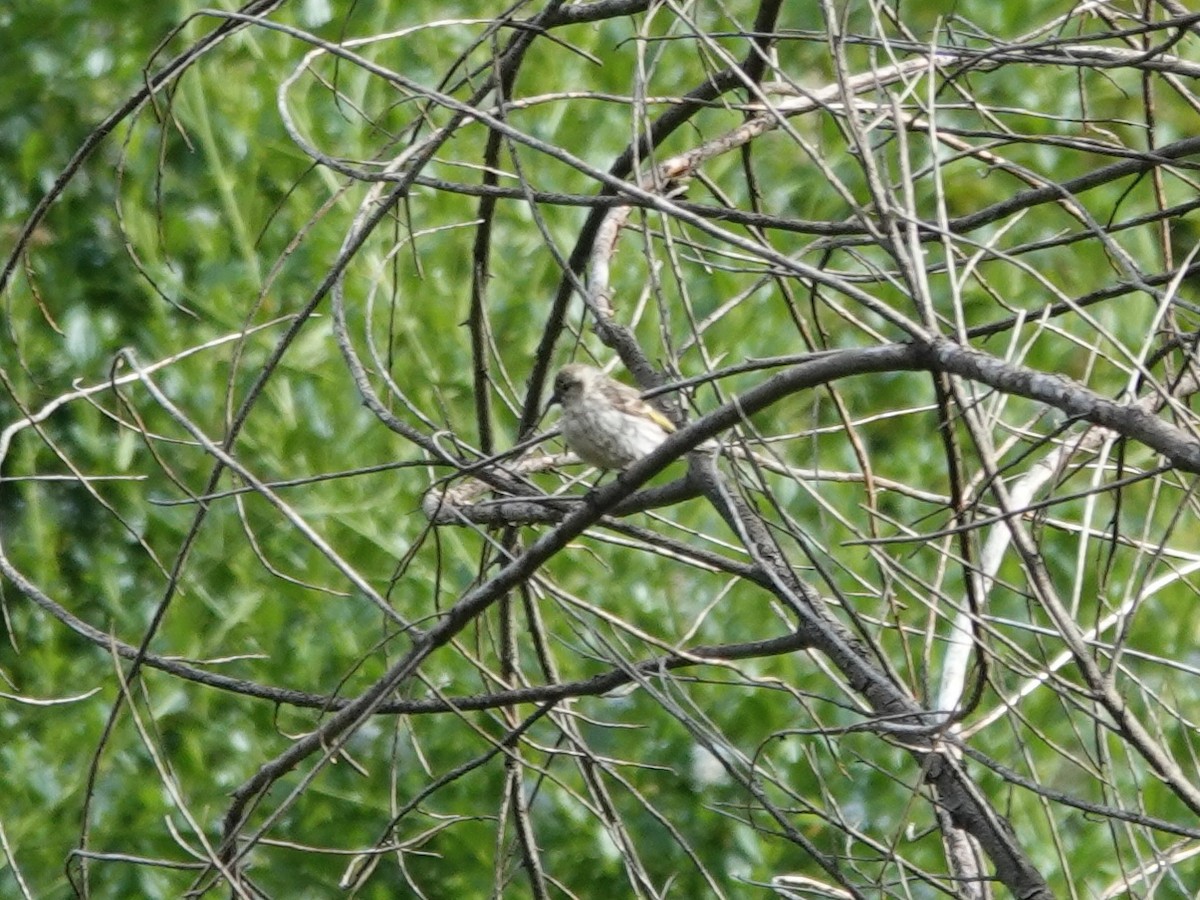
[[199, 230]]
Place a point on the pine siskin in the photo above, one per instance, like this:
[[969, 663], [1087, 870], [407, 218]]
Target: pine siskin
[[606, 422]]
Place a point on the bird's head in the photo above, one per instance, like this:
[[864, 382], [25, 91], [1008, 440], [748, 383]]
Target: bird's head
[[571, 381]]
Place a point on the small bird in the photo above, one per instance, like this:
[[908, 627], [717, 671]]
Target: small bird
[[604, 421]]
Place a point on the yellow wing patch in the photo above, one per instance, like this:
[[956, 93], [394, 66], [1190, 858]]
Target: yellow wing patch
[[659, 419]]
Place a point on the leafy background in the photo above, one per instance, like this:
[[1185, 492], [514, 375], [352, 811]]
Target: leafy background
[[199, 223]]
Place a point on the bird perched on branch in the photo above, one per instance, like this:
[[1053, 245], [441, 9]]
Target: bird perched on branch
[[605, 422]]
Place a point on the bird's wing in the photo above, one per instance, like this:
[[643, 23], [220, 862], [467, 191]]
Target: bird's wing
[[659, 419], [628, 400]]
